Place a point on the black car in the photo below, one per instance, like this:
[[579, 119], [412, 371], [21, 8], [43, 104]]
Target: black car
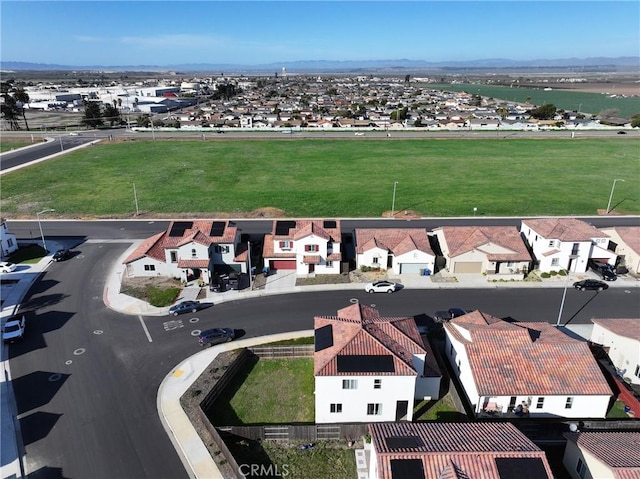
[[443, 316], [606, 271], [185, 307], [214, 336], [591, 284], [61, 255]]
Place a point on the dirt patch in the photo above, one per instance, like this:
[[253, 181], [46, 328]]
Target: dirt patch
[[401, 214], [366, 276], [160, 282]]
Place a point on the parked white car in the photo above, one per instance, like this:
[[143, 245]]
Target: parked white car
[[6, 267], [380, 287], [14, 329]]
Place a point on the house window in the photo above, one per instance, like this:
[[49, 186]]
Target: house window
[[329, 264], [9, 242], [637, 372], [174, 256], [149, 267], [349, 384], [552, 243], [574, 249], [581, 468], [374, 409], [311, 248], [285, 244], [569, 403], [336, 408], [540, 403], [377, 384], [375, 260], [555, 261], [194, 254], [222, 249]]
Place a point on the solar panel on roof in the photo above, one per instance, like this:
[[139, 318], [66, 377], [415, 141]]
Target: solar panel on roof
[[324, 337], [178, 228], [217, 228], [283, 227], [407, 469], [364, 363], [521, 467], [329, 224], [403, 442]]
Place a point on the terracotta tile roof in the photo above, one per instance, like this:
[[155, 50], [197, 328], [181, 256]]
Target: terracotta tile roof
[[305, 227], [630, 235], [564, 229], [499, 243], [311, 259], [144, 248], [618, 450], [456, 450], [359, 330], [193, 263], [396, 240], [268, 249], [526, 358], [627, 327]]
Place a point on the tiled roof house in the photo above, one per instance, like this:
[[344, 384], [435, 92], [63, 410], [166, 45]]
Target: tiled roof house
[[494, 250], [602, 455], [621, 339], [625, 242], [502, 365], [436, 450], [566, 243], [370, 368], [402, 250], [190, 248], [306, 246]]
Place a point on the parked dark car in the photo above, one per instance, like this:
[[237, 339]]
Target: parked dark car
[[443, 316], [606, 271], [591, 284], [61, 255], [214, 336], [185, 307]]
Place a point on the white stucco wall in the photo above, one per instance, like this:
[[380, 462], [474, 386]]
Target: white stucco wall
[[631, 257], [623, 352], [367, 258], [595, 469], [137, 268], [412, 257], [328, 390]]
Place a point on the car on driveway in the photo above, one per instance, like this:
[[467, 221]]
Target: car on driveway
[[185, 307], [606, 271], [591, 284], [6, 267], [61, 255], [210, 337], [14, 329], [444, 316], [380, 287]]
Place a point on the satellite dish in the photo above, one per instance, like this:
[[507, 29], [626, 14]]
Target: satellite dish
[[573, 427]]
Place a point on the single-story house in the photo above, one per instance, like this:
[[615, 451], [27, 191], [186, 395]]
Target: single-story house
[[624, 241], [8, 242], [620, 338], [602, 455]]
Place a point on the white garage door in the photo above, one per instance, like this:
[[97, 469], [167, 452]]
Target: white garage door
[[467, 267], [412, 267]]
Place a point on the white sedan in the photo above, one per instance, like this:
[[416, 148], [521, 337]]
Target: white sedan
[[6, 267], [14, 329], [380, 287]]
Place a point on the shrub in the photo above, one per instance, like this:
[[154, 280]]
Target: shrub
[[545, 275], [562, 272]]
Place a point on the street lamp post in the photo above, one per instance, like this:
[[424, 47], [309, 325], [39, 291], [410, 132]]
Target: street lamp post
[[44, 244], [135, 198], [564, 295], [611, 195], [249, 255], [393, 201]]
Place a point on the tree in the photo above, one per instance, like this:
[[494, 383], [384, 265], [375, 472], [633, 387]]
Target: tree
[[635, 123], [22, 97], [92, 114], [10, 111], [111, 114], [544, 112]]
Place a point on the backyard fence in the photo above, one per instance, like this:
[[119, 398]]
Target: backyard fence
[[283, 352], [298, 432]]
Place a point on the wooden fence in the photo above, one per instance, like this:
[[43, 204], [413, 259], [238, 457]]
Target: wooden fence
[[299, 432], [288, 352]]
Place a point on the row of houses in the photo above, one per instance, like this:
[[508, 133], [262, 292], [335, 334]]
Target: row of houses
[[199, 248]]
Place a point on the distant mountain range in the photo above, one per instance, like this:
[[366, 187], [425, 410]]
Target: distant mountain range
[[595, 64]]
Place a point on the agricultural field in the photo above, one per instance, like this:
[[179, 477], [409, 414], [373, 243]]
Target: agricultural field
[[331, 178]]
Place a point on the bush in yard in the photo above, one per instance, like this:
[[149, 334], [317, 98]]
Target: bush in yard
[[545, 275]]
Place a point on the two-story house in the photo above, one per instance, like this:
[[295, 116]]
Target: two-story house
[[190, 250], [402, 250], [528, 368], [306, 246], [624, 241], [620, 337], [8, 242], [566, 244], [602, 455], [369, 368]]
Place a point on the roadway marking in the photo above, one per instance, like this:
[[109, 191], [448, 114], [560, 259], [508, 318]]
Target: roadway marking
[[55, 377], [98, 331], [146, 331], [171, 325], [194, 320], [68, 362], [354, 300], [195, 332], [79, 351]]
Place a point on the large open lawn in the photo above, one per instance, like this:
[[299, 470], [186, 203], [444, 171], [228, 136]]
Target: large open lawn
[[326, 178]]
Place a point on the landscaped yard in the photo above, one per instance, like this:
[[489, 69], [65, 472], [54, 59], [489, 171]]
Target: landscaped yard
[[325, 178]]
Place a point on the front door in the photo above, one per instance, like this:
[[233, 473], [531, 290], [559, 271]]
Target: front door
[[312, 268], [401, 410]]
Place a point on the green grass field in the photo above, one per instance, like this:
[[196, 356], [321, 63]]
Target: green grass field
[[325, 178]]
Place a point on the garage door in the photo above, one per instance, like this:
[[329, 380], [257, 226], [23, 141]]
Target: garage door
[[468, 267], [412, 267], [282, 264]]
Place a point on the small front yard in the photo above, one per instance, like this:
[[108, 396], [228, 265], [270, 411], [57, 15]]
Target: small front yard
[[159, 292], [28, 254]]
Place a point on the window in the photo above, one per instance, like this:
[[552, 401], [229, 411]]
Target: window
[[336, 408], [222, 249], [194, 253], [312, 248], [377, 384], [285, 244], [569, 403], [349, 384], [551, 243], [581, 468], [555, 261], [149, 267], [174, 256], [540, 403], [9, 242], [637, 372], [375, 260], [329, 264], [374, 409], [574, 249]]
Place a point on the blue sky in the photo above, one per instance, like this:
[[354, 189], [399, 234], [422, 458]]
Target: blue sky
[[250, 33]]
